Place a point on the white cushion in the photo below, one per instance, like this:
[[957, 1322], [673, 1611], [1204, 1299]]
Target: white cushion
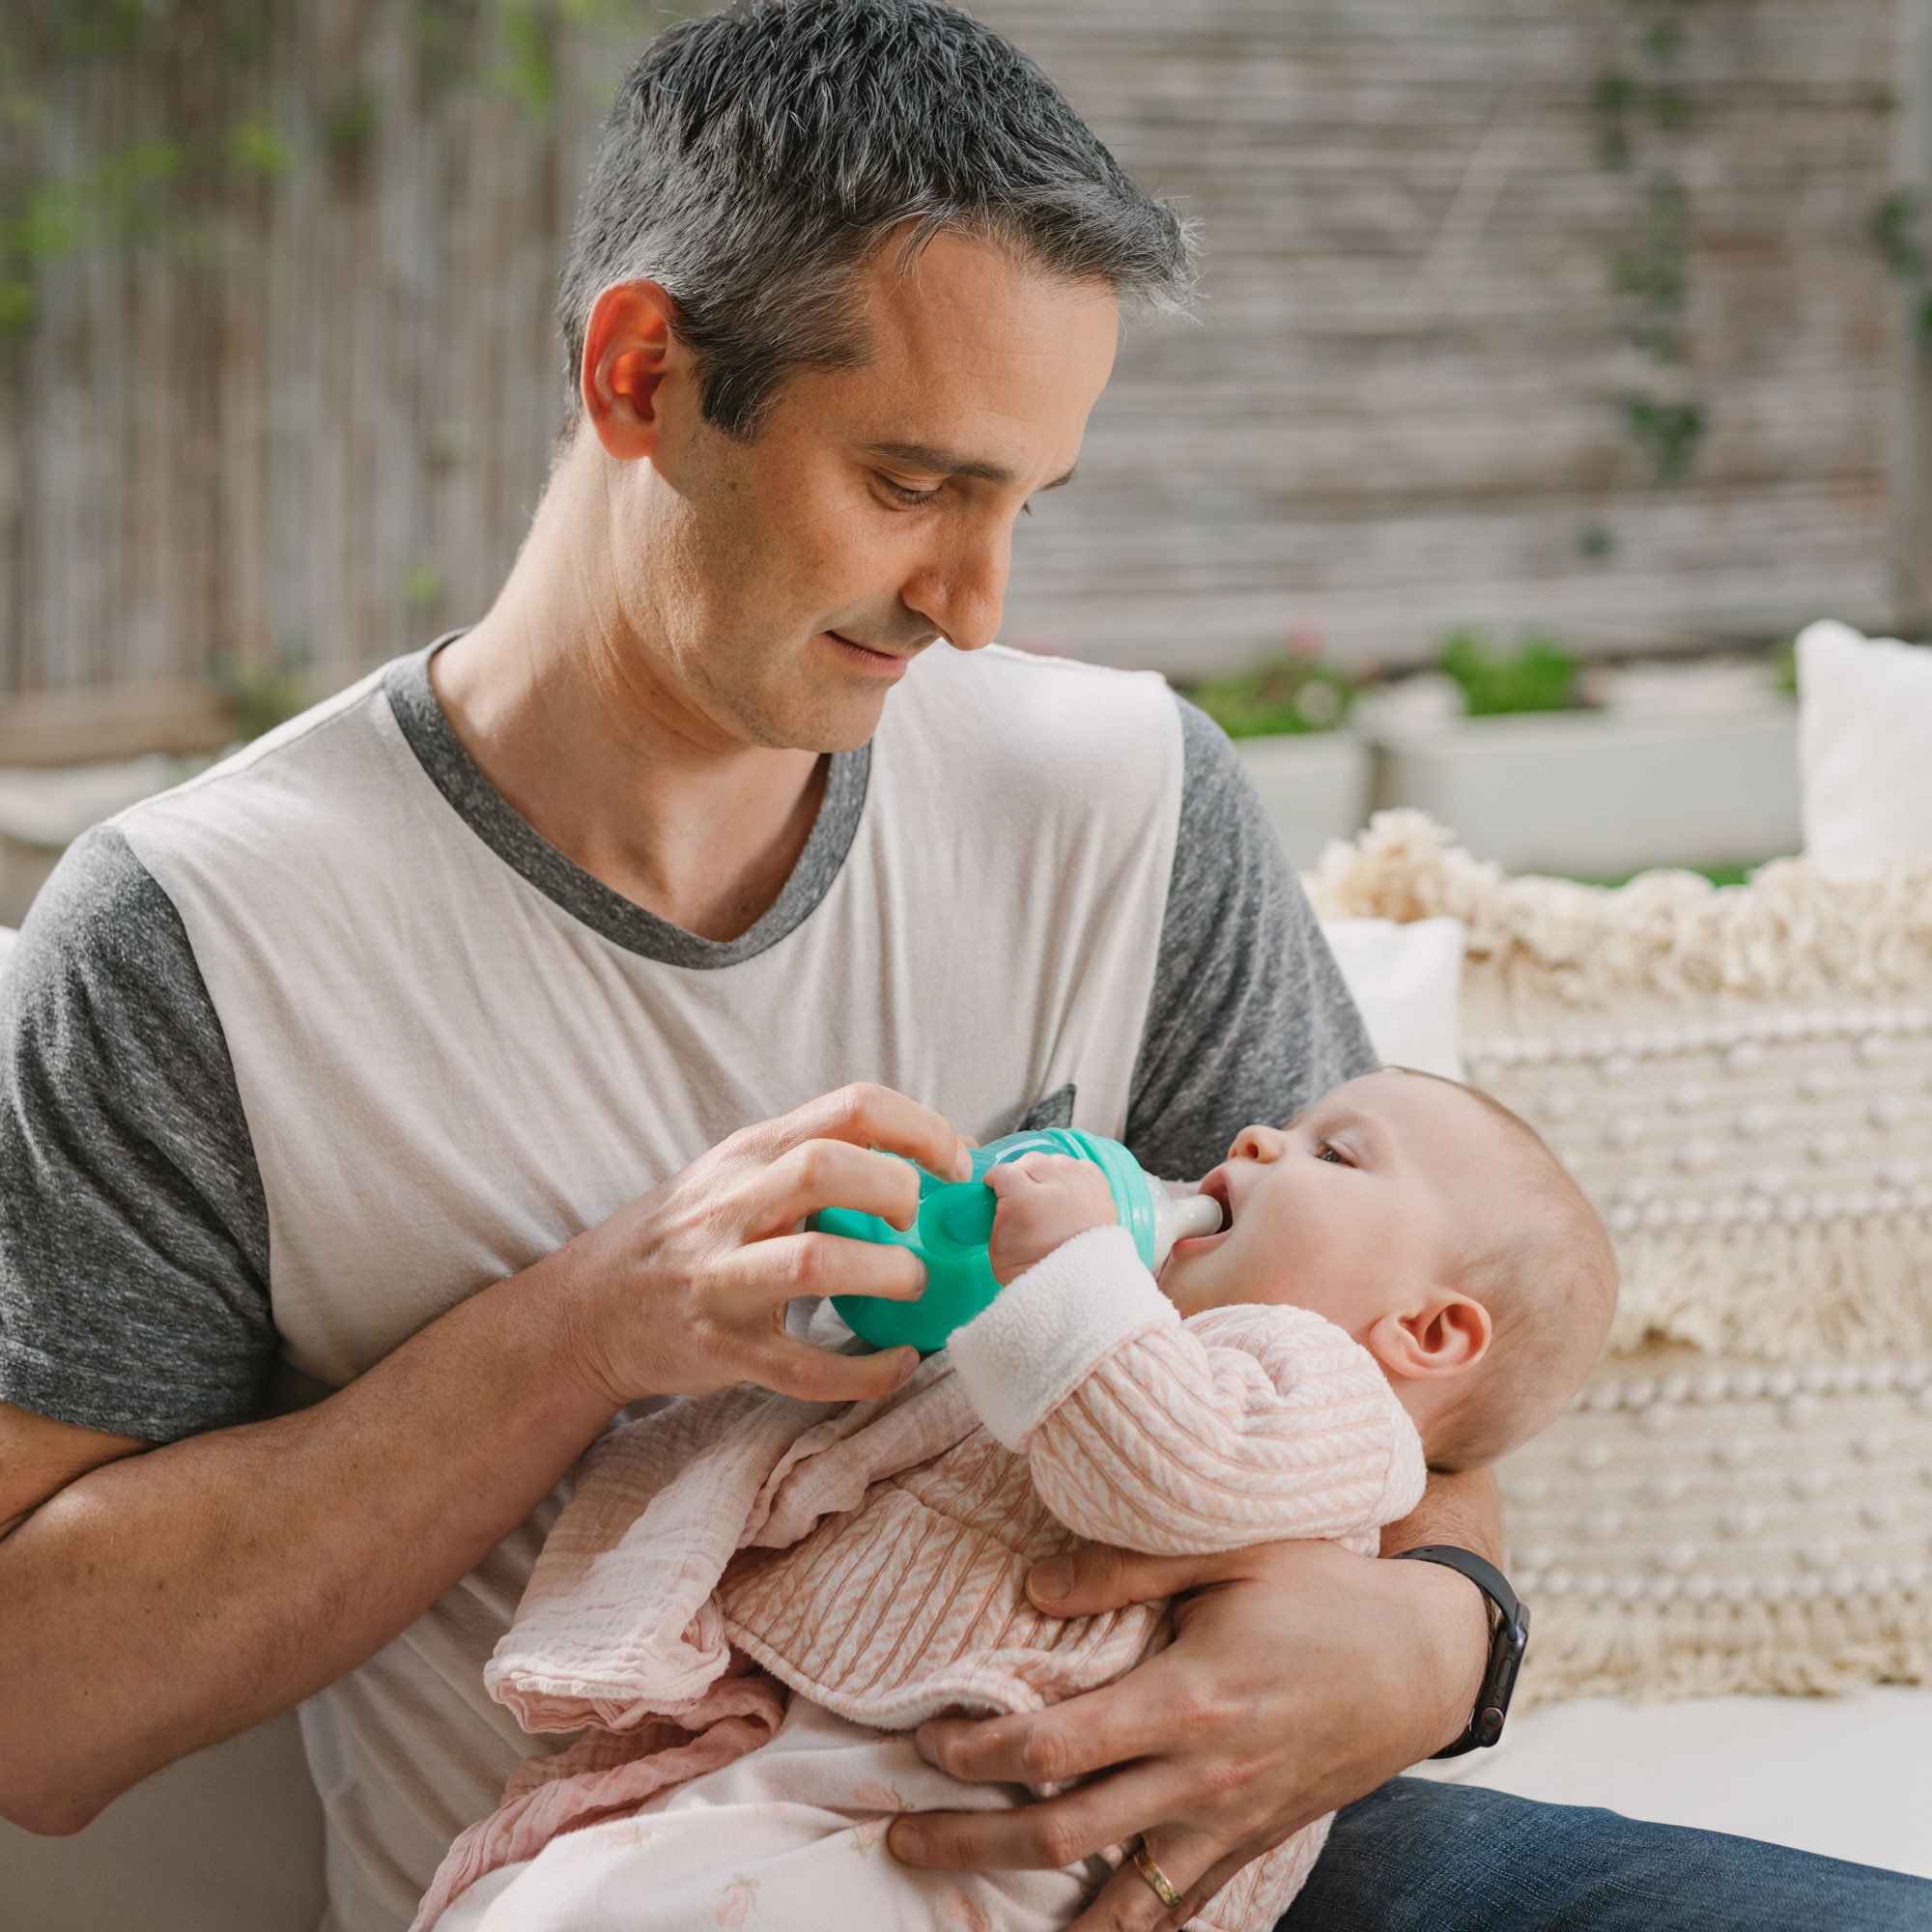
[[1407, 977], [1864, 749]]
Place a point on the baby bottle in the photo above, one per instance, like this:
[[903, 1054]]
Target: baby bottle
[[955, 1220]]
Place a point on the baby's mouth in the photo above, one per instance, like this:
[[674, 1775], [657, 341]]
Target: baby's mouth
[[1214, 1187]]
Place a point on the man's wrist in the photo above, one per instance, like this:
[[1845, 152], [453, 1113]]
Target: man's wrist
[[544, 1319], [1456, 1625], [1508, 1621]]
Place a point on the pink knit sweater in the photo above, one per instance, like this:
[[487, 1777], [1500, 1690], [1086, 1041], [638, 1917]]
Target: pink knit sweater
[[874, 1558]]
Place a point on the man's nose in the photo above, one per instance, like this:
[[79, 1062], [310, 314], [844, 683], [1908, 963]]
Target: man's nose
[[961, 587], [1257, 1143]]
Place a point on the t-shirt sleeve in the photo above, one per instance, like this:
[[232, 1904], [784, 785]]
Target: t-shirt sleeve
[[134, 1227], [1249, 1019]]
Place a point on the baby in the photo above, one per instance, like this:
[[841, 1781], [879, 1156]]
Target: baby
[[751, 1600]]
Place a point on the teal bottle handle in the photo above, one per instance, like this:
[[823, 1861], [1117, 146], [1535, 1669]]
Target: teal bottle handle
[[950, 1230]]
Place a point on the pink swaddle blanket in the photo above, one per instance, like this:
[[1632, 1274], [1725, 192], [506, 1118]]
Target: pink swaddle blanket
[[873, 1557]]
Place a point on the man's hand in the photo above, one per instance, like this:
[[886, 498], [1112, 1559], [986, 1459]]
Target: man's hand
[[1045, 1199], [1300, 1677], [684, 1290]]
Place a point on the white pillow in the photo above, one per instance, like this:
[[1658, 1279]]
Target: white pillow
[[1407, 977], [1864, 749]]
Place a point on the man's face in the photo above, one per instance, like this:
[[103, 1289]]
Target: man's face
[[793, 577]]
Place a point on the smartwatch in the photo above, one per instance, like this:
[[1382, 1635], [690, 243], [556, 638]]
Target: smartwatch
[[1509, 1639]]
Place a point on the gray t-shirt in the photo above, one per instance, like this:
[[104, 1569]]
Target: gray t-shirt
[[297, 1056]]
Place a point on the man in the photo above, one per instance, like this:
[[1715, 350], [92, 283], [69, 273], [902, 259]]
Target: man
[[389, 1053]]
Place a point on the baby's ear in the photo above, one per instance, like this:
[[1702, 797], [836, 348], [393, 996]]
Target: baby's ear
[[1447, 1334]]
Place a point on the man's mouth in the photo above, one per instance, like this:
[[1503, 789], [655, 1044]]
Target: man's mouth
[[873, 650]]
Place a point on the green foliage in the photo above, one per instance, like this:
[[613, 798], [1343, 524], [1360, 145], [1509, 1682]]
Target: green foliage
[[1897, 229], [97, 29], [1894, 227], [527, 64], [349, 124], [1668, 433], [255, 149], [257, 696], [1652, 272], [1596, 541], [1539, 675], [421, 586], [124, 197], [1718, 875], [165, 185], [1283, 694]]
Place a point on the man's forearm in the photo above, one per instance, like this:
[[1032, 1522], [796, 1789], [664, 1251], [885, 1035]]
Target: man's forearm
[[172, 1598], [1461, 1510]]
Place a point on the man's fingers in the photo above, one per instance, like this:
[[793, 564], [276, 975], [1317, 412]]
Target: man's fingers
[[1128, 1903], [1042, 1836], [766, 1274], [1093, 1732], [1099, 1577], [829, 1173], [870, 1116], [790, 1367]]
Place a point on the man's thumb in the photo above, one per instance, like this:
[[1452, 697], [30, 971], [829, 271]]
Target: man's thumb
[[1098, 1577]]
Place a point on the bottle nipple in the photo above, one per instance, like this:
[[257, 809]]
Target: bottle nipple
[[1178, 1216]]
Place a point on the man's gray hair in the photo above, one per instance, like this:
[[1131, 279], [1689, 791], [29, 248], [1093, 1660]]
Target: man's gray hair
[[756, 159]]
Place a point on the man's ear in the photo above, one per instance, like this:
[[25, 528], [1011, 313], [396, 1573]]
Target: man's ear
[[629, 347], [1447, 1334]]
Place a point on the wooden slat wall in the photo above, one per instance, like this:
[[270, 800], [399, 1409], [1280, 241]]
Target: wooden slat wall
[[1402, 413], [325, 435]]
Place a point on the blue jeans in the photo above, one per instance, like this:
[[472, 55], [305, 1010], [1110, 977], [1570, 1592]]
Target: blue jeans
[[1420, 1857]]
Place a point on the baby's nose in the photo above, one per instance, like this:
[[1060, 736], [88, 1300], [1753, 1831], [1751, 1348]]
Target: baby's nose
[[1256, 1142]]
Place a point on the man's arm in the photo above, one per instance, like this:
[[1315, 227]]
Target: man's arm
[[153, 1599], [168, 1599]]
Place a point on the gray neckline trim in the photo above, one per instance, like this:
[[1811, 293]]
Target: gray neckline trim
[[566, 884]]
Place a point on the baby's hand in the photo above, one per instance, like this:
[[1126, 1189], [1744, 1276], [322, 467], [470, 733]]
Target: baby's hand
[[1045, 1199]]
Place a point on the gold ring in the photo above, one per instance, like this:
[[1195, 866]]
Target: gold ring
[[1163, 1886]]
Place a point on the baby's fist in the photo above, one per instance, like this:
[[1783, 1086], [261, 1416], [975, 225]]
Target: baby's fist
[[1045, 1199]]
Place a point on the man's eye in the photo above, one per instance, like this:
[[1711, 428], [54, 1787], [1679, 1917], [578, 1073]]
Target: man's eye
[[912, 499]]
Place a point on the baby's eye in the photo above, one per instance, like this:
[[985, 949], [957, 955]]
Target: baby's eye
[[1328, 1152]]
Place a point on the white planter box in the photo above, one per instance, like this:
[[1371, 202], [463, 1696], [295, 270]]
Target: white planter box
[[1315, 787], [1604, 791]]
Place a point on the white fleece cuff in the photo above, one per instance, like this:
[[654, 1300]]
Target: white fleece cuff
[[1052, 1326]]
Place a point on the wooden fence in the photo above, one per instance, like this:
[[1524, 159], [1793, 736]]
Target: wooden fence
[[282, 388]]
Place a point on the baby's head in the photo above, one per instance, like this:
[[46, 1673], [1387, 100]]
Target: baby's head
[[1435, 1227]]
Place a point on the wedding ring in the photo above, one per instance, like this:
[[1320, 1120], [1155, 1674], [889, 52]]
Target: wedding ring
[[1163, 1886]]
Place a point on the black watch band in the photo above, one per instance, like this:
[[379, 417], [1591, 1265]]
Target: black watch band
[[1509, 1639]]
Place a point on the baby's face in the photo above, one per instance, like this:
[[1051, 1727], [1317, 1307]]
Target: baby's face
[[1366, 1194]]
